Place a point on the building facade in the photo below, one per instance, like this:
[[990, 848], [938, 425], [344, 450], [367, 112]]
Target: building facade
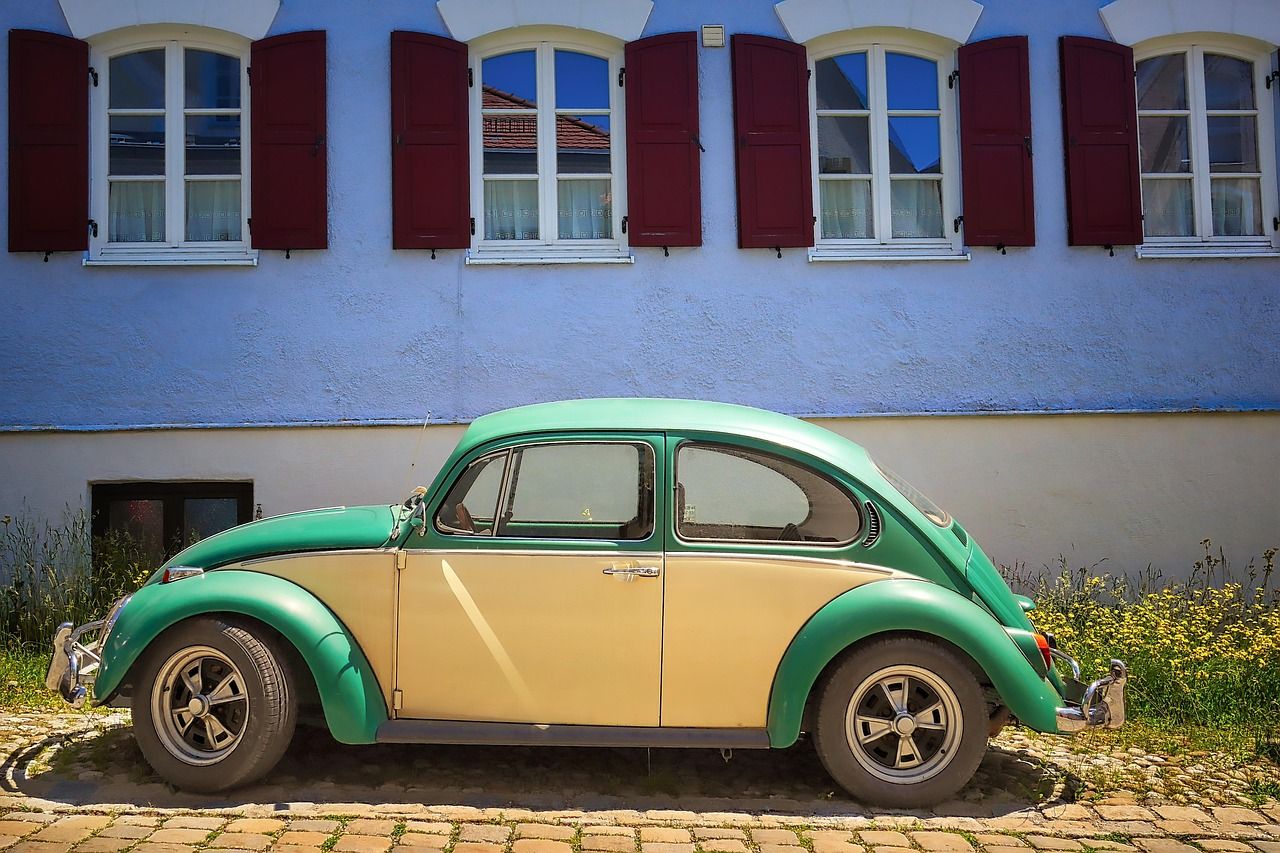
[[1027, 252]]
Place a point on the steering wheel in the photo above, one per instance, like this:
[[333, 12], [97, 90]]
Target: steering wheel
[[465, 521]]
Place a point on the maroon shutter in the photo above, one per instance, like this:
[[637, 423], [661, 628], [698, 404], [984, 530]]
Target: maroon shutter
[[430, 159], [771, 121], [995, 143], [290, 154], [1100, 126], [48, 142], [664, 201]]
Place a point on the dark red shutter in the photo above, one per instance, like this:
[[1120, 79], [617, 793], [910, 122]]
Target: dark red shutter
[[664, 184], [48, 142], [430, 158], [1100, 126], [995, 143], [771, 122], [290, 152]]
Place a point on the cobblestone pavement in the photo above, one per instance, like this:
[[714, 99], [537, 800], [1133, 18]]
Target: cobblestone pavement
[[74, 782]]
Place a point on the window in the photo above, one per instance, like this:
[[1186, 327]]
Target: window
[[163, 518], [169, 171], [883, 130], [548, 178], [731, 493], [585, 490], [1206, 150]]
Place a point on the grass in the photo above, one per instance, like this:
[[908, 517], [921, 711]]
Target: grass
[[22, 671]]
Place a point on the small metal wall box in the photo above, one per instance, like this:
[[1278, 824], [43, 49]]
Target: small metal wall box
[[713, 35]]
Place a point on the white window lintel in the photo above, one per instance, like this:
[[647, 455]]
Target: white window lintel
[[1134, 21], [471, 19], [805, 20], [248, 18]]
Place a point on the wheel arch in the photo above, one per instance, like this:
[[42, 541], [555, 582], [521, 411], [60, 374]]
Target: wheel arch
[[913, 608], [348, 689]]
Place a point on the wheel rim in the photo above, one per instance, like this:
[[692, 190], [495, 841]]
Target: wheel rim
[[903, 724], [199, 705]]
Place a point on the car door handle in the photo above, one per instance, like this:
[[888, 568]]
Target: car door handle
[[628, 572]]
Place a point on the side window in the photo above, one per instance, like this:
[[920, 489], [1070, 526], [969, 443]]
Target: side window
[[579, 491], [731, 493], [472, 503]]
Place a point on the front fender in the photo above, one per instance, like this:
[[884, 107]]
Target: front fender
[[918, 607], [349, 692]]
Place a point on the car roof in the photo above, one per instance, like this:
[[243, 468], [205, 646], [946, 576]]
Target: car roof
[[634, 414]]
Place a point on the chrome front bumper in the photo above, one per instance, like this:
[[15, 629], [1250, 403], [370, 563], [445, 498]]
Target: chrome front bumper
[[75, 661], [1098, 703]]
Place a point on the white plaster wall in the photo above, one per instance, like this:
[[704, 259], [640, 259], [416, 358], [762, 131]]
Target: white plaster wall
[[1134, 489]]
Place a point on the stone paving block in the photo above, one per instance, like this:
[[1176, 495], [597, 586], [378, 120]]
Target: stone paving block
[[1178, 827], [702, 833], [1223, 845], [994, 848], [828, 846], [775, 836], [544, 830], [126, 830], [942, 842], [1163, 845], [781, 848], [72, 829], [365, 843], [18, 828], [1108, 844], [477, 847], [609, 843], [1247, 829], [541, 845], [32, 817], [195, 822], [302, 838], [242, 841], [665, 847], [1044, 842], [1070, 811], [151, 847], [493, 833], [433, 827], [7, 841], [308, 824], [1182, 813], [993, 839], [629, 832], [179, 836], [103, 844], [255, 825], [423, 841], [729, 845], [1268, 846], [293, 848], [40, 847], [882, 838], [370, 826], [137, 820], [665, 834], [895, 850], [1124, 812], [1230, 814], [457, 812]]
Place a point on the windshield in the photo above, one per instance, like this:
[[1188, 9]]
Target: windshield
[[931, 510]]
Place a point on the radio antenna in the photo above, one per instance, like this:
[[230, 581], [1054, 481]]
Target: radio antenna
[[417, 447]]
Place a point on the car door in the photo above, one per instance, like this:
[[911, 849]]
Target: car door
[[535, 593]]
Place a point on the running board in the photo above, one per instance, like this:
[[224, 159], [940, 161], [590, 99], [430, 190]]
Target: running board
[[528, 734]]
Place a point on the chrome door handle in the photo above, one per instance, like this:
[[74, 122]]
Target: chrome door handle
[[634, 571]]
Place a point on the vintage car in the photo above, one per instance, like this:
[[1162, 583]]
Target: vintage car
[[624, 573]]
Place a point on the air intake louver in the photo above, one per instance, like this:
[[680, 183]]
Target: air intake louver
[[873, 525]]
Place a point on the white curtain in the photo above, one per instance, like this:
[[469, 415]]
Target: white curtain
[[917, 208], [1237, 207], [213, 211], [846, 210], [510, 210], [1167, 209], [585, 209], [135, 212]]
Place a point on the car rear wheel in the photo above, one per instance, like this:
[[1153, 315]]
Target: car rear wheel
[[901, 723], [213, 708]]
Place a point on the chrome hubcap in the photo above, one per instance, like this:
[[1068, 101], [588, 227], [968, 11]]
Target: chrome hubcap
[[903, 724], [199, 705]]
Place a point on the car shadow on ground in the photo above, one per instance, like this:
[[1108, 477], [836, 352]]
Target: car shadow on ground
[[102, 765]]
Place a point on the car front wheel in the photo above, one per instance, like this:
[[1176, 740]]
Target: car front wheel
[[901, 723], [213, 708]]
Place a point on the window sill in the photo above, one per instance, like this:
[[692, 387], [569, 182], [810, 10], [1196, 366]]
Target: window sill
[[480, 257], [839, 255], [173, 258], [1175, 251]]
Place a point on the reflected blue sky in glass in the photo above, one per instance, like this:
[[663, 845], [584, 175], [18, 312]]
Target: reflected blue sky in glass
[[582, 81], [842, 82], [914, 144], [137, 80], [514, 73], [912, 82], [212, 80]]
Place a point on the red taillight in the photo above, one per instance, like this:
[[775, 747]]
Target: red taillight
[[1042, 643]]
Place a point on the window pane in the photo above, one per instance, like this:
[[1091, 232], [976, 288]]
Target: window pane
[[1167, 209], [912, 82], [472, 502], [1233, 143], [914, 145], [135, 212], [203, 517], [1164, 144], [511, 144], [511, 78], [1162, 82], [137, 81], [917, 208], [212, 80], [1237, 207], [141, 521], [734, 493], [137, 145], [1228, 83], [213, 145], [511, 210], [582, 81], [213, 210], [580, 491], [842, 82], [585, 208], [582, 144], [846, 210], [843, 145]]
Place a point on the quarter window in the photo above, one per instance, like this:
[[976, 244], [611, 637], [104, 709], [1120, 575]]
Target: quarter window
[[731, 493]]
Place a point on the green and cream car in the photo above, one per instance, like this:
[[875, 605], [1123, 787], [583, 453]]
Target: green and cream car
[[597, 572]]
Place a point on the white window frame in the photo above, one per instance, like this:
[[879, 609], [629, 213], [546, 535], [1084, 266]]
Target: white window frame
[[884, 247], [1204, 244], [171, 252], [544, 41]]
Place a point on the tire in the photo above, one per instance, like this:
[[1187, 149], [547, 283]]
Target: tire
[[862, 740], [213, 705]]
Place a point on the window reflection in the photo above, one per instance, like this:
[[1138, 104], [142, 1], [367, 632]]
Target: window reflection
[[842, 82], [582, 81], [514, 75], [912, 82], [137, 81]]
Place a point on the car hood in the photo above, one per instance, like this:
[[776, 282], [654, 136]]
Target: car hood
[[313, 530]]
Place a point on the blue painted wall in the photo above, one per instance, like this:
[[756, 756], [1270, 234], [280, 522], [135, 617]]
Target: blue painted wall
[[360, 332]]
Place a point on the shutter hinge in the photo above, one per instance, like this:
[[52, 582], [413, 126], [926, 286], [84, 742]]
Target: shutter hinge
[[955, 223], [471, 78], [622, 75], [248, 74], [249, 222], [810, 73], [402, 559], [1026, 140], [624, 225], [93, 75], [1000, 248], [953, 78], [93, 227], [1275, 223], [473, 226], [397, 700], [1111, 250], [1273, 77]]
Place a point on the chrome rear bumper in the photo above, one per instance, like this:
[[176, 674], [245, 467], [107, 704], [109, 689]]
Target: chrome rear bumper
[[1098, 703], [75, 661]]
